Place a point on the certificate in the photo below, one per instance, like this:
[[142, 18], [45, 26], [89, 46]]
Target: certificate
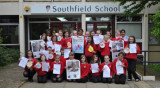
[[50, 44], [133, 48], [66, 53], [56, 69], [23, 62], [96, 40], [106, 72], [57, 48], [94, 68], [119, 67], [45, 66], [46, 53]]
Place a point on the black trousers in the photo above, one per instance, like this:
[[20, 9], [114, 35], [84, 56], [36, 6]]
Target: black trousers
[[120, 79], [132, 69], [83, 80], [55, 79], [49, 74], [95, 79], [29, 73], [89, 59], [42, 79], [107, 80]]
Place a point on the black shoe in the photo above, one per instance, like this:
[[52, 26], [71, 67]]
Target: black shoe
[[137, 80], [30, 80], [129, 79]]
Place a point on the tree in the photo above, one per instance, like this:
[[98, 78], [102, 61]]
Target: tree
[[136, 6]]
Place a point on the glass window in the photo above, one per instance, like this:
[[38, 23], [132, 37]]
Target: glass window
[[107, 18], [103, 28], [38, 19], [129, 19], [9, 34], [134, 29], [66, 19], [37, 29], [9, 19], [89, 27]]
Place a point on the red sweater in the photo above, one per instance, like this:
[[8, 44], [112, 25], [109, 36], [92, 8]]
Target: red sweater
[[62, 59], [40, 72], [87, 53], [62, 67], [65, 41], [106, 50], [51, 60], [132, 55], [124, 61], [84, 70], [110, 65], [95, 74], [34, 61]]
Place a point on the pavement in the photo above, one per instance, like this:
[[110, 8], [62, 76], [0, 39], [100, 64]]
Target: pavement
[[11, 77]]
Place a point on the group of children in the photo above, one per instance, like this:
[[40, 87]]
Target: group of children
[[100, 54]]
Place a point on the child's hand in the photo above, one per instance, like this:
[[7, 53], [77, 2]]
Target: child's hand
[[20, 59], [98, 69], [121, 48], [114, 50], [93, 52], [119, 74], [58, 76], [111, 76], [123, 65], [45, 44], [90, 68]]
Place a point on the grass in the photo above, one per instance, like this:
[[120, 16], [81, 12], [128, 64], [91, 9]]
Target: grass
[[155, 67]]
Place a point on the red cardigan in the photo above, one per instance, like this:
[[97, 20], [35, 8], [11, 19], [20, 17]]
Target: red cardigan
[[65, 41], [40, 72], [132, 55], [34, 62], [124, 61], [84, 70], [63, 60], [106, 50], [62, 67], [51, 60], [87, 53], [110, 65]]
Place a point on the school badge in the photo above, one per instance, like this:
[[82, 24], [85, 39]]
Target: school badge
[[38, 65], [69, 45], [102, 45], [29, 64], [90, 49], [47, 8]]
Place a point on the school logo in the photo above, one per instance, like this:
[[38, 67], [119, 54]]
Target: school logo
[[47, 8]]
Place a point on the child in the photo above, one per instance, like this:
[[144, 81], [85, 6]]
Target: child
[[108, 33], [92, 33], [54, 41], [57, 77], [48, 34], [131, 59], [43, 44], [42, 75], [84, 69], [104, 48], [119, 67], [107, 65], [29, 69], [60, 37], [124, 36], [90, 49], [66, 41], [95, 77]]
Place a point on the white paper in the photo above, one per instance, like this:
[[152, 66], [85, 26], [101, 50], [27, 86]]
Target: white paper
[[45, 66], [106, 72], [96, 40], [50, 44], [46, 53], [36, 54], [133, 48], [48, 38], [101, 38], [66, 53], [73, 70], [119, 67], [23, 62], [94, 68], [57, 48], [56, 69]]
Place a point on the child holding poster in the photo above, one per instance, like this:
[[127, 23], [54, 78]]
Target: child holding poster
[[66, 41], [119, 67], [104, 48], [90, 49], [29, 68], [60, 36], [85, 69], [57, 68], [95, 70], [42, 67], [43, 44], [131, 50], [54, 41], [107, 69], [124, 36]]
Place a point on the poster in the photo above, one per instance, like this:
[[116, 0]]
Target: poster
[[78, 44], [35, 45], [73, 69], [118, 46]]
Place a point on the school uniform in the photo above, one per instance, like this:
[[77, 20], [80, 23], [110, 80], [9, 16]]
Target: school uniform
[[50, 60], [54, 76], [89, 54], [104, 51], [41, 75], [59, 40], [122, 77], [67, 43], [63, 60], [110, 65], [84, 72], [29, 72], [131, 59], [95, 77]]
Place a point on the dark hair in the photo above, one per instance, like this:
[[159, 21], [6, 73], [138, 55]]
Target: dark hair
[[41, 57], [52, 32], [80, 30], [134, 40], [92, 60], [49, 47], [122, 31], [121, 53], [91, 41], [27, 53], [82, 57], [65, 33], [48, 30], [52, 38]]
